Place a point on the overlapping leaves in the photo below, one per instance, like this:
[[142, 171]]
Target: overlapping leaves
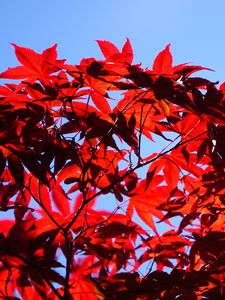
[[67, 144]]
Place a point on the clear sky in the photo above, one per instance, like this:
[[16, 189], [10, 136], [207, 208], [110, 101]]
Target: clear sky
[[195, 29]]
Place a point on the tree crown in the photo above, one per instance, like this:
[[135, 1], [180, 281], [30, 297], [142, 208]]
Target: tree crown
[[69, 145]]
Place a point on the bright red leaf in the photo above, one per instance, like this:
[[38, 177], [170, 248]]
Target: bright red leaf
[[94, 189], [163, 62], [107, 48]]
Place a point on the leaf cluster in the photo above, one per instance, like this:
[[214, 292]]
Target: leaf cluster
[[70, 146]]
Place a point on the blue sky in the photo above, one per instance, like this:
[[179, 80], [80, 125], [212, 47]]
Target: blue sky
[[195, 29]]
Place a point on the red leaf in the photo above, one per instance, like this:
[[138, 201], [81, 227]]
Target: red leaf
[[146, 202], [163, 61], [16, 169], [83, 288], [69, 171], [128, 51], [171, 173], [29, 58], [48, 59], [101, 103], [107, 48], [22, 202], [186, 70], [49, 54], [45, 197], [61, 200], [222, 87], [202, 149], [34, 65], [18, 100], [114, 229], [5, 91], [19, 72]]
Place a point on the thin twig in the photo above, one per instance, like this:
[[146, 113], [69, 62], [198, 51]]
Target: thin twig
[[39, 201], [121, 178]]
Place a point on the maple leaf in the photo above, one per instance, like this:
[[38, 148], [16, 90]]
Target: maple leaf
[[34, 65], [112, 54], [107, 48], [75, 142]]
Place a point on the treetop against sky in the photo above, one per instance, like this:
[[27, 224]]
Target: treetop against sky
[[67, 143]]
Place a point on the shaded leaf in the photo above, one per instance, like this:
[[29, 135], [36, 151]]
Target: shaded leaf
[[114, 229]]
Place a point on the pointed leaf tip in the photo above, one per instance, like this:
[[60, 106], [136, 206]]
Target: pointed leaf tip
[[107, 48], [28, 57], [163, 61], [128, 51]]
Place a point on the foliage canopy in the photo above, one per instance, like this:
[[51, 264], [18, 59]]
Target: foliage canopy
[[83, 195]]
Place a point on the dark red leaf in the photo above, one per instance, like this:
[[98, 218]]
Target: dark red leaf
[[16, 169], [114, 229]]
